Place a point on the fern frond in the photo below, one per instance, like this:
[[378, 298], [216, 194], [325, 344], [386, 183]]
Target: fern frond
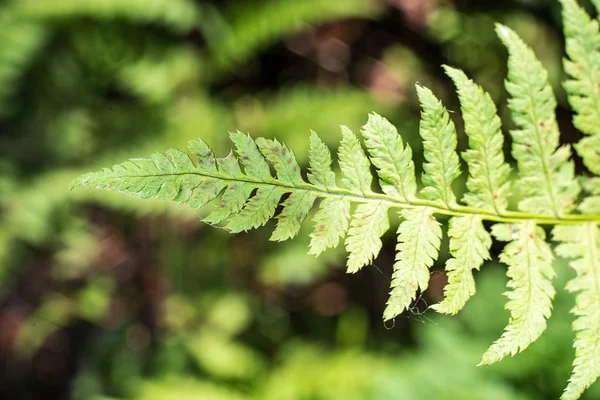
[[331, 220], [20, 42], [354, 163], [582, 242], [245, 30], [583, 88], [180, 15], [591, 203], [393, 161], [419, 237], [331, 224], [282, 159], [529, 261], [546, 176], [439, 149], [320, 173], [245, 194], [295, 210], [233, 200], [488, 183], [255, 166], [363, 244], [206, 161], [257, 211], [155, 78], [469, 246]]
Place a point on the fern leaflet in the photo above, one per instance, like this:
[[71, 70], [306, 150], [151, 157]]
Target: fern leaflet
[[488, 182], [393, 161], [439, 148], [582, 242], [529, 261], [419, 237], [363, 243], [546, 177], [469, 247], [331, 224]]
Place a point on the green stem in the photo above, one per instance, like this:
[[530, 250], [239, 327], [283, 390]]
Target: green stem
[[393, 202]]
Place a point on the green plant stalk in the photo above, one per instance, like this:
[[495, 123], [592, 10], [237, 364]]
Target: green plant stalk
[[437, 208]]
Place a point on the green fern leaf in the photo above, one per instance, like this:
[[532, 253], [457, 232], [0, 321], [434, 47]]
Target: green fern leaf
[[295, 210], [394, 163], [245, 195], [320, 173], [354, 163], [583, 89], [233, 200], [248, 29], [331, 224], [205, 157], [257, 211], [546, 176], [419, 237], [284, 161], [235, 195], [489, 174], [529, 261], [253, 161], [582, 242], [583, 66], [179, 15], [588, 149], [227, 166], [439, 148], [192, 191], [590, 204], [469, 246], [370, 222], [165, 177], [179, 160], [21, 41]]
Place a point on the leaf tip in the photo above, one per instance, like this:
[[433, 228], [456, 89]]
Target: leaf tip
[[503, 31], [82, 181]]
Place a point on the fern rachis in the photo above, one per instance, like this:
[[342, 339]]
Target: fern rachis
[[357, 213]]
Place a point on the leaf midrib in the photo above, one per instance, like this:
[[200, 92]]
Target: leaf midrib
[[438, 208]]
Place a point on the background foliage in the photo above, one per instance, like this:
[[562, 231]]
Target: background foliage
[[107, 297]]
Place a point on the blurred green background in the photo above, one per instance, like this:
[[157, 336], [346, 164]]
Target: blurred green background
[[104, 297]]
